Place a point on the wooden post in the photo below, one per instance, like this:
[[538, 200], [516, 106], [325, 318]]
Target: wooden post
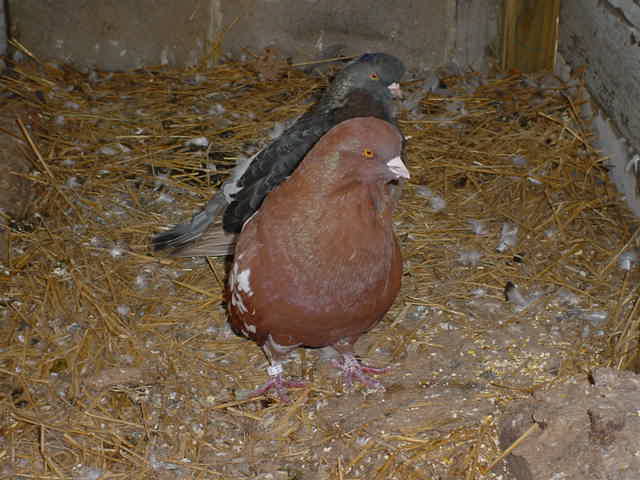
[[530, 34]]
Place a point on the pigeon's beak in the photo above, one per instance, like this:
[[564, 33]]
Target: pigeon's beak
[[395, 90], [398, 168]]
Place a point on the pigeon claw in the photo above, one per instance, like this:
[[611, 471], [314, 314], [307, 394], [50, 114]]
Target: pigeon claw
[[352, 370], [277, 382]]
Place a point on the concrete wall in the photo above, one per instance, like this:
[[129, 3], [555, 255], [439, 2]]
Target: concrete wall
[[476, 27], [125, 34], [112, 34], [604, 36]]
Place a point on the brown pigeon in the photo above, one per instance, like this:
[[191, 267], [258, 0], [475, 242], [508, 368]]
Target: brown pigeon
[[318, 264]]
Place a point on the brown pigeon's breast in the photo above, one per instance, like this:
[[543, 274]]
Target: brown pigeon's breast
[[241, 297], [319, 262], [315, 296]]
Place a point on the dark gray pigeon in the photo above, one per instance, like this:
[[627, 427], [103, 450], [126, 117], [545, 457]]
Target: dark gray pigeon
[[364, 88]]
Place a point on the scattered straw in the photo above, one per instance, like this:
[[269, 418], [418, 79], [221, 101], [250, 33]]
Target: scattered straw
[[532, 429], [116, 363]]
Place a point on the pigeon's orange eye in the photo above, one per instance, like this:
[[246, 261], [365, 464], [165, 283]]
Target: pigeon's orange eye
[[374, 76], [366, 153]]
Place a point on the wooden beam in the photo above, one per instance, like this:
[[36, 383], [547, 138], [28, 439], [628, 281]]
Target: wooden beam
[[530, 34]]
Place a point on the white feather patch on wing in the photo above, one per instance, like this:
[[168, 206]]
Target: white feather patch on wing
[[243, 282], [236, 297], [230, 187]]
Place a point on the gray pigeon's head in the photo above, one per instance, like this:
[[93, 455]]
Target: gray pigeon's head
[[370, 72]]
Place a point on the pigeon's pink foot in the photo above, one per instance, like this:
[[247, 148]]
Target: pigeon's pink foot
[[278, 383], [353, 369]]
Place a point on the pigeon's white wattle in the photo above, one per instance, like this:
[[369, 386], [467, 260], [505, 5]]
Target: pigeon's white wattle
[[395, 90], [397, 166]]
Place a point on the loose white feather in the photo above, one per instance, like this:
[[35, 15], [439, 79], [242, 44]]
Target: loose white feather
[[508, 237]]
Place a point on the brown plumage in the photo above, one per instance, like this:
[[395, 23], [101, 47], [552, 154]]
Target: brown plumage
[[318, 265]]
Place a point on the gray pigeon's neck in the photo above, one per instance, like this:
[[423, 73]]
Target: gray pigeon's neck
[[335, 95]]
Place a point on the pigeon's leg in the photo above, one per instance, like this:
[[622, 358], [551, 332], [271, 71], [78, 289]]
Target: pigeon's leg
[[277, 382], [352, 369], [276, 353]]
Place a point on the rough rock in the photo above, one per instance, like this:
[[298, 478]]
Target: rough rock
[[588, 428]]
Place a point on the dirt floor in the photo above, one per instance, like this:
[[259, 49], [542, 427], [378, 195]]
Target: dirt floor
[[115, 363]]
